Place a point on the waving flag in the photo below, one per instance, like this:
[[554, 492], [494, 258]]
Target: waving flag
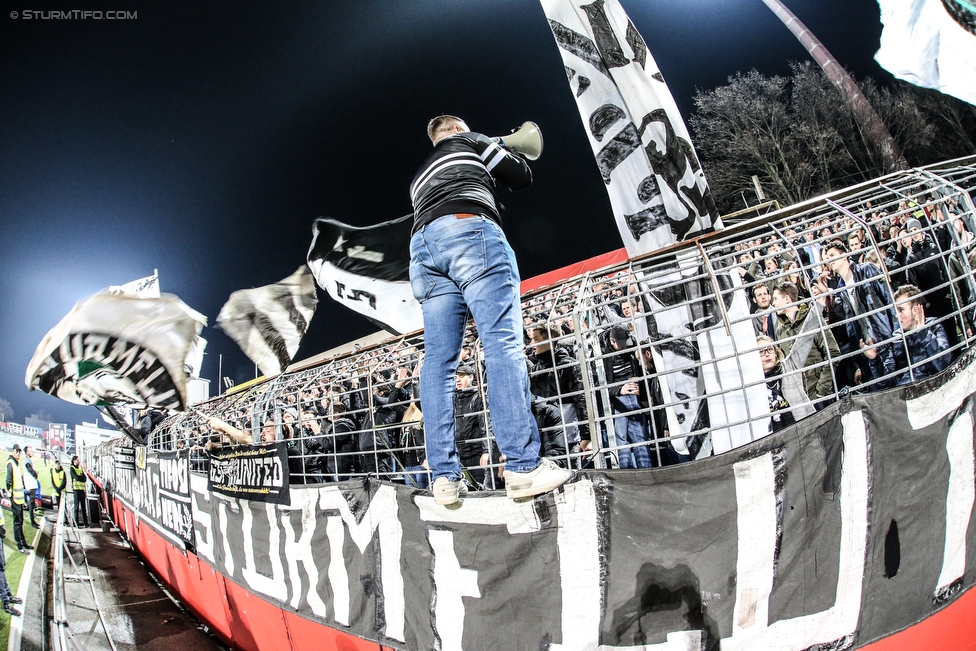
[[114, 349], [147, 287], [931, 43], [268, 322], [657, 189], [368, 270]]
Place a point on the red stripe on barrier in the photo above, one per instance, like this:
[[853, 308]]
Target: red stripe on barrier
[[240, 618], [573, 270], [951, 629], [248, 622]]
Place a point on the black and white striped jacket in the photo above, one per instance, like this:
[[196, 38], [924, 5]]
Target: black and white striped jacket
[[459, 177]]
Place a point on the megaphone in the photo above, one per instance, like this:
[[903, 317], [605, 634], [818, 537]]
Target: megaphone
[[526, 140]]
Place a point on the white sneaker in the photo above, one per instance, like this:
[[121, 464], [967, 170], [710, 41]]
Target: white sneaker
[[447, 492], [545, 477]]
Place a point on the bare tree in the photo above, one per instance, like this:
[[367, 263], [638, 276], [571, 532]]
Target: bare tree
[[6, 411], [801, 138], [956, 119], [750, 127]]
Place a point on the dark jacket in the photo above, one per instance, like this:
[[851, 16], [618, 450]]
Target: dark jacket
[[469, 425], [458, 176], [296, 470], [549, 418], [873, 319], [556, 372], [337, 438], [780, 415], [896, 261], [619, 366], [927, 347], [927, 269]]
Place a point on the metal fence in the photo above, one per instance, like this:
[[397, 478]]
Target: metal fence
[[656, 361], [77, 604]]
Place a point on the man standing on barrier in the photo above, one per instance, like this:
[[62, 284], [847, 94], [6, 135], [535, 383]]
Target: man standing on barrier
[[15, 486], [461, 263]]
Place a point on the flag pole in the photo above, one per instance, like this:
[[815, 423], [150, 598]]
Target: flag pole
[[868, 119]]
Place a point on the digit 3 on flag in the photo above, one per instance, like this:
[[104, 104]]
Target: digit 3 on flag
[[367, 269]]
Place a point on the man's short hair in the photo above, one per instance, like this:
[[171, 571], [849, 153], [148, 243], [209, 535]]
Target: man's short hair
[[548, 333], [788, 288], [911, 292], [757, 287], [839, 245], [441, 123]]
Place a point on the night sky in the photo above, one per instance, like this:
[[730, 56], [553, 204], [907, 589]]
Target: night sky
[[203, 141]]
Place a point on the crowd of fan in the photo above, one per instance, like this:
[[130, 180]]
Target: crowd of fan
[[894, 290], [838, 302]]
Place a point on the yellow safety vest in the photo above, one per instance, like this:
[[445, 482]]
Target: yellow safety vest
[[77, 478], [17, 485], [57, 479]]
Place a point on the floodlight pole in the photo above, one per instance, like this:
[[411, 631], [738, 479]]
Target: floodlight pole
[[868, 119]]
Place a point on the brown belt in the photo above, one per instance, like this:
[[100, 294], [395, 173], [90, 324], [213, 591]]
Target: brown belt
[[464, 215]]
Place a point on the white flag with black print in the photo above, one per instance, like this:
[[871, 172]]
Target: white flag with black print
[[114, 349], [656, 185], [367, 269], [268, 322], [931, 43], [147, 287]]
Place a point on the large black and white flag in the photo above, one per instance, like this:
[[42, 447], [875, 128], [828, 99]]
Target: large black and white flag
[[931, 43], [367, 269], [657, 189], [148, 287], [268, 322], [114, 349]]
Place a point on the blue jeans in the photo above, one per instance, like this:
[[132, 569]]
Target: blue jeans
[[459, 265], [630, 429], [415, 476]]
